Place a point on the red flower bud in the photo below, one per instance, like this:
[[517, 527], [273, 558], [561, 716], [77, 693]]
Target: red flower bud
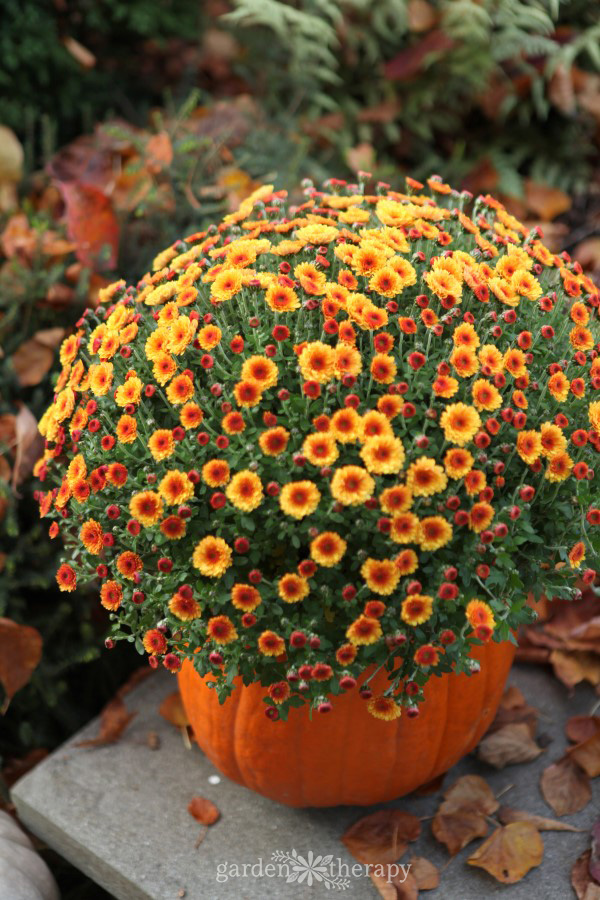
[[255, 576], [241, 545]]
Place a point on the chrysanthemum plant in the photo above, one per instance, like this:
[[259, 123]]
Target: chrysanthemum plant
[[326, 439]]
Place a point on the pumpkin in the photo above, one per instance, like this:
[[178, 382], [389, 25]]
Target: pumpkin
[[23, 874], [347, 756]]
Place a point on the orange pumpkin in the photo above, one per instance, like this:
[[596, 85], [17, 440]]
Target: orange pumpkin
[[346, 756]]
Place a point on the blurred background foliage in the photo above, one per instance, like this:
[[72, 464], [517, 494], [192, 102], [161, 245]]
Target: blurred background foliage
[[126, 124]]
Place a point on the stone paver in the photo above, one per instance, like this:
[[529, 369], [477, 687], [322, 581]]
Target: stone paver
[[119, 813]]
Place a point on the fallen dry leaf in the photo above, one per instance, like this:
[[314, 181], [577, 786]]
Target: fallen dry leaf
[[580, 728], [462, 816], [91, 224], [381, 837], [595, 857], [28, 446], [20, 653], [14, 769], [203, 810], [575, 666], [395, 887], [514, 709], [425, 873], [159, 152], [507, 815], [566, 788], [587, 755], [510, 852], [33, 359], [114, 719], [81, 54], [172, 710], [585, 887], [546, 201], [509, 745]]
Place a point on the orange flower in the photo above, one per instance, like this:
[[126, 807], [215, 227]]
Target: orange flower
[[485, 395], [216, 472], [184, 607], [328, 548], [553, 440], [146, 507], [245, 597], [346, 425], [558, 385], [320, 449], [384, 708], [434, 532], [247, 393], [396, 499], [417, 609], [209, 337], [351, 485], [299, 498], [262, 370], [559, 467], [212, 556], [383, 368], [458, 462], [66, 578], [364, 630], [312, 280], [91, 535], [221, 630], [180, 390], [274, 441], [380, 575], [317, 362], [426, 655], [111, 595], [577, 555], [404, 528], [161, 444], [126, 429], [460, 423], [445, 386], [245, 491], [173, 528], [282, 298], [191, 415], [383, 455], [406, 562], [175, 488], [292, 588], [128, 564], [479, 613], [154, 642], [480, 516], [425, 477], [529, 446], [271, 644]]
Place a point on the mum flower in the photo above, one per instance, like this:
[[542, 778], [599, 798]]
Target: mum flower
[[304, 425]]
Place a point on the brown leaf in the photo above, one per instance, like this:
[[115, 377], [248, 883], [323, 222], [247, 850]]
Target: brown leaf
[[546, 201], [20, 653], [462, 815], [575, 666], [11, 168], [381, 837], [565, 787], [430, 787], [421, 15], [581, 880], [114, 719], [29, 445], [84, 57], [507, 815], [203, 810], [32, 360], [587, 755], [580, 728], [410, 61], [172, 710], [514, 709], [91, 223], [159, 152], [510, 852], [17, 768], [361, 158], [425, 873], [395, 887], [508, 745]]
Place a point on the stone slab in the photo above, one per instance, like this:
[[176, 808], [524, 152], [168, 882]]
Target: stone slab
[[119, 813]]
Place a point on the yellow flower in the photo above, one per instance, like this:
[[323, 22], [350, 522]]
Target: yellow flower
[[212, 556], [383, 455], [384, 708], [317, 362], [352, 485], [320, 449], [380, 575], [529, 446], [328, 548], [460, 423], [417, 609], [425, 477], [434, 532], [299, 498], [245, 491]]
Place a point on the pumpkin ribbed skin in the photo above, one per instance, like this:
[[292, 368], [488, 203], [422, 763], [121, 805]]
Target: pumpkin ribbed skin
[[346, 756]]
